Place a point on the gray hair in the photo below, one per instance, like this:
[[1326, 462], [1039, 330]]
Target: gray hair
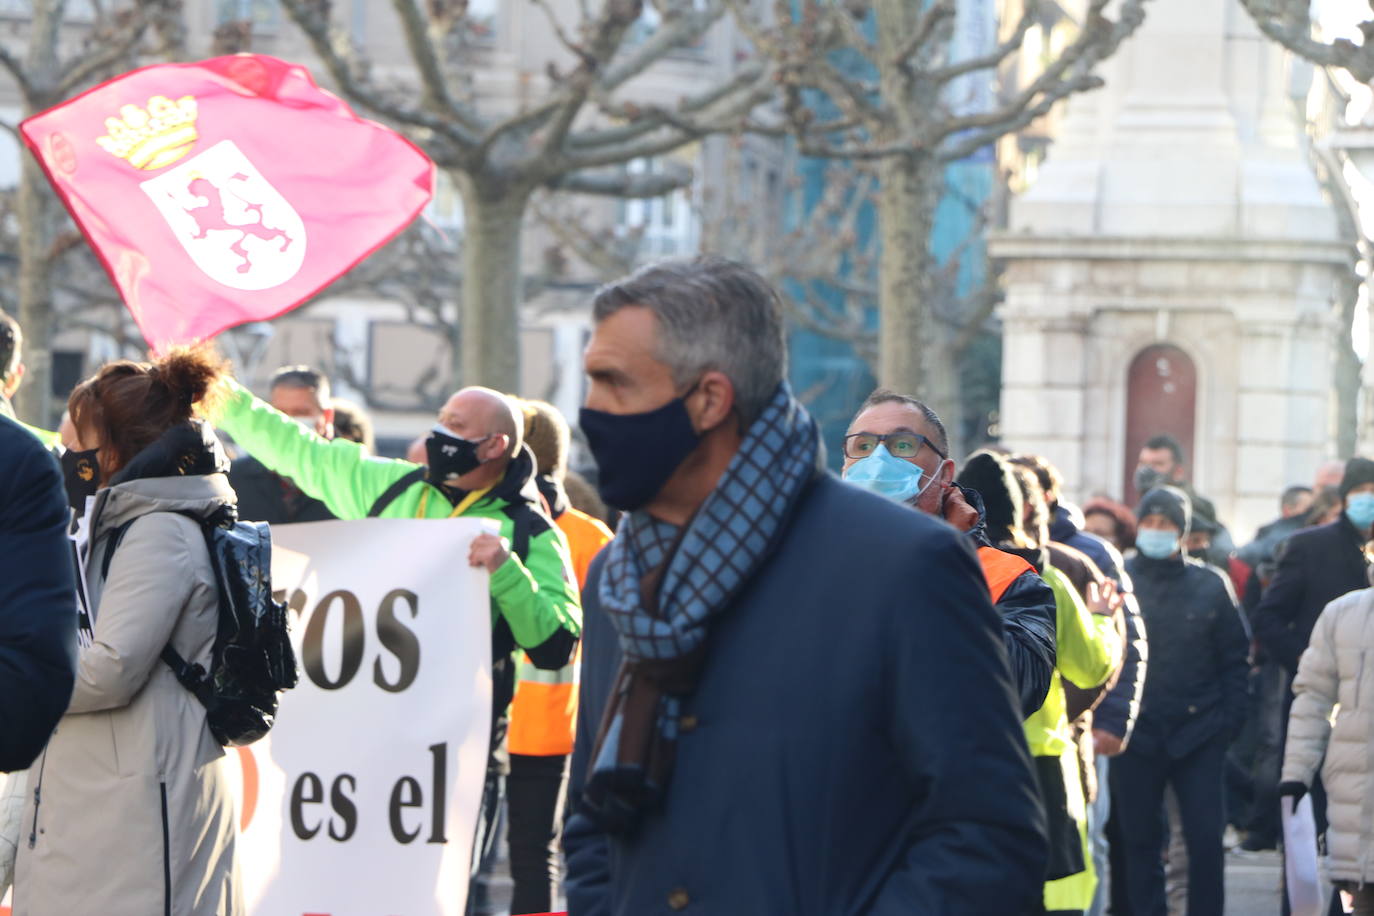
[[713, 313]]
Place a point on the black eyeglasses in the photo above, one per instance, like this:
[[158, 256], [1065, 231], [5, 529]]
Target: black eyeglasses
[[900, 444]]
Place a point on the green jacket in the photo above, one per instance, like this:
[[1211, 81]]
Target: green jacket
[[1088, 647], [536, 598]]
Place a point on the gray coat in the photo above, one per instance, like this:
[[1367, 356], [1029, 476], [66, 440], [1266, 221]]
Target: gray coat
[[131, 812], [1335, 673]]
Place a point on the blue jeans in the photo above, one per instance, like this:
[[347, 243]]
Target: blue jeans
[[1098, 813]]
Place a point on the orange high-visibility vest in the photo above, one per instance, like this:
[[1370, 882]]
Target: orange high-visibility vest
[[1000, 570], [543, 714]]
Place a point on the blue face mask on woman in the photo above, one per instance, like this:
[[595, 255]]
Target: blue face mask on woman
[[887, 475], [1156, 543], [1359, 508]]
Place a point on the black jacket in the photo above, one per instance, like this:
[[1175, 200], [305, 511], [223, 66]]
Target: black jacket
[[37, 597], [263, 496], [1315, 567], [1028, 617], [1199, 648], [855, 745], [1117, 712]]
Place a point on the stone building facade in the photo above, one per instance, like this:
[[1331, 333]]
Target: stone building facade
[[1172, 270]]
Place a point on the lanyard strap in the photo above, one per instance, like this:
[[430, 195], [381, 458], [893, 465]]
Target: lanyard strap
[[463, 505]]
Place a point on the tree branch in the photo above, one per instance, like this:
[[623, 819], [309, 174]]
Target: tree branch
[[311, 20], [15, 69], [621, 184], [1289, 23], [993, 58], [433, 79]]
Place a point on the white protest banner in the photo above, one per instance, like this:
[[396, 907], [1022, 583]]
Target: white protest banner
[[363, 800]]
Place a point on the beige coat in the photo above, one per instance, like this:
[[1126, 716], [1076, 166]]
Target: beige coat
[[130, 812], [1337, 670]]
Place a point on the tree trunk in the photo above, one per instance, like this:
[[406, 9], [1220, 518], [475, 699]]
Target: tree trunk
[[1347, 368], [908, 338], [33, 213], [493, 287]]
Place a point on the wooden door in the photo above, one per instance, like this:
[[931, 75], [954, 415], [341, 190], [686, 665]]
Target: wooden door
[[1161, 397]]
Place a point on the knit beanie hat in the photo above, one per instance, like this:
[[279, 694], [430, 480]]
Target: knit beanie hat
[[1170, 502], [1357, 471], [990, 475]]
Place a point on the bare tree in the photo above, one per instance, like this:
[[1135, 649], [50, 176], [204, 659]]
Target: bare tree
[[1289, 22], [572, 136], [63, 55], [873, 81]]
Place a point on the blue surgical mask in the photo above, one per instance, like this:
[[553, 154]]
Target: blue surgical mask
[[1156, 543], [1359, 508], [887, 475]]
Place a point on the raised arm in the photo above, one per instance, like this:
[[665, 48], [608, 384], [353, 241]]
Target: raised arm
[[338, 472]]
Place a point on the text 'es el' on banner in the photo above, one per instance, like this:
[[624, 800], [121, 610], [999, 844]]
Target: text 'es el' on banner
[[225, 191], [363, 799]]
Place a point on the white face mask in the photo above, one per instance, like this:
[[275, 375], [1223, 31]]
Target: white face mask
[[309, 424]]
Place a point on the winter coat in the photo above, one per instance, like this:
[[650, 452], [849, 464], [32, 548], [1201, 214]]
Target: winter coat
[[1335, 672], [1026, 608], [534, 599], [827, 765], [1116, 712], [131, 811], [1088, 651], [267, 497], [37, 597], [1064, 530], [1199, 650], [1315, 567]]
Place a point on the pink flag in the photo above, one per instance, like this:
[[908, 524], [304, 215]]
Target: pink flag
[[225, 191]]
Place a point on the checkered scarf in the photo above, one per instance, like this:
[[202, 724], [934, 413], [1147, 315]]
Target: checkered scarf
[[662, 585]]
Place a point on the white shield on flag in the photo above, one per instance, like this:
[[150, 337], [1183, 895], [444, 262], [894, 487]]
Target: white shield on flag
[[236, 227]]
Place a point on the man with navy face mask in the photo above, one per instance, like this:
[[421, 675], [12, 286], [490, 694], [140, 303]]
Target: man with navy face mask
[[773, 718], [897, 448]]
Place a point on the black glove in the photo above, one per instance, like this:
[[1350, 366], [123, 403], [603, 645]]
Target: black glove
[[1294, 790]]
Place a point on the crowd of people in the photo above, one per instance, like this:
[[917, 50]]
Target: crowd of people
[[725, 679]]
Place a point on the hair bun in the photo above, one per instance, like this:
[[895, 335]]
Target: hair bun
[[189, 374]]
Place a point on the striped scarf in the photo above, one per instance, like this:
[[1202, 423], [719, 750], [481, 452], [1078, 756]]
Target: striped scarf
[[661, 587]]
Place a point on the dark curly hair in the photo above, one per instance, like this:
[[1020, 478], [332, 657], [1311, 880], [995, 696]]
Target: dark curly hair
[[127, 406]]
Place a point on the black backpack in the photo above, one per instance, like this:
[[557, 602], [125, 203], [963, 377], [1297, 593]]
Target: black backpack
[[252, 659]]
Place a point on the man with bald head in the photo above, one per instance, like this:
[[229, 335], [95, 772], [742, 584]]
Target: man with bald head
[[477, 467]]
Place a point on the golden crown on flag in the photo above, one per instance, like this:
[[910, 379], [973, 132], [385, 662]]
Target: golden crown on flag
[[153, 137]]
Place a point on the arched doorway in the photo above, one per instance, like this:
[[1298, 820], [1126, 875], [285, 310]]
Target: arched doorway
[[1161, 397]]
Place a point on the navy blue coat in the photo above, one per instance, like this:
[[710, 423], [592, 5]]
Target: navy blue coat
[[855, 744], [37, 597], [1315, 567]]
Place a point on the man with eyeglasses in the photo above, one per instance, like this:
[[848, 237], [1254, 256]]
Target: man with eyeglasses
[[897, 447]]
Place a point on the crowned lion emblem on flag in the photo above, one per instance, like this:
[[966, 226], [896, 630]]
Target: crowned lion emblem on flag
[[236, 227]]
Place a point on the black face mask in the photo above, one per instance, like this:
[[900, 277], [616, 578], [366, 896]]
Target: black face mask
[[81, 476], [450, 456], [637, 453], [1147, 478]]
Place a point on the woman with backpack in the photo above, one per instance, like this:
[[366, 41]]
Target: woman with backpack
[[131, 812]]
